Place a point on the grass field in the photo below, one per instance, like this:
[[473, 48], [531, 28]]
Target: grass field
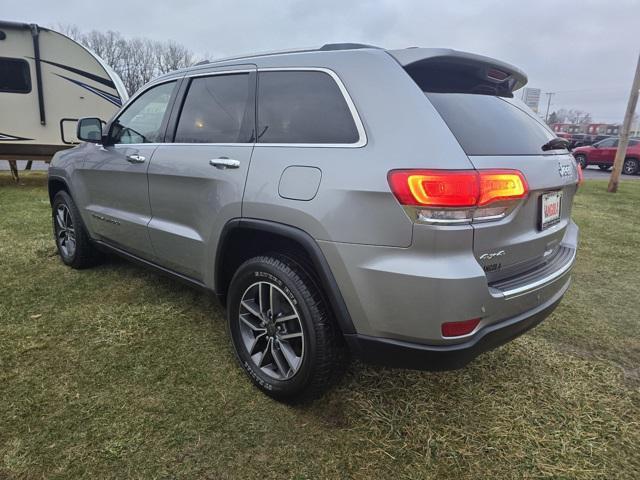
[[116, 372]]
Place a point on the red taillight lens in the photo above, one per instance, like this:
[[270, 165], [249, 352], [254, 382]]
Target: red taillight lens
[[435, 188], [455, 189], [498, 185], [456, 329]]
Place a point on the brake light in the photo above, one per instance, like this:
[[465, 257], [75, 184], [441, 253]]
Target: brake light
[[464, 188], [456, 329], [435, 188], [498, 185], [458, 195]]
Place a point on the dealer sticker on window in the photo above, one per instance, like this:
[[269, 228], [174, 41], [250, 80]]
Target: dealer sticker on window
[[550, 211]]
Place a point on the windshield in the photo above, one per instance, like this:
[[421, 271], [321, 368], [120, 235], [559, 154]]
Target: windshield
[[490, 125]]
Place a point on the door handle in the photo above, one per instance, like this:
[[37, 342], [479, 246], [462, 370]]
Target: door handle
[[224, 162], [135, 158]]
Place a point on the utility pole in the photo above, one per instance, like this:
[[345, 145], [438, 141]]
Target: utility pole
[[548, 94], [624, 133]]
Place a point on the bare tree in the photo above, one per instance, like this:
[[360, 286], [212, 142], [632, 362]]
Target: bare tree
[[172, 56], [135, 60], [573, 116]]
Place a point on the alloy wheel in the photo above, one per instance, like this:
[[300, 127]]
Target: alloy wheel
[[271, 330], [65, 231], [629, 167]]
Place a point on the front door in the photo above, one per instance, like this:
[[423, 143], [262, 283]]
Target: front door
[[114, 177], [604, 153], [196, 183]]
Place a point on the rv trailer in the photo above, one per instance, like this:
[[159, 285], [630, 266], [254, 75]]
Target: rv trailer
[[47, 82]]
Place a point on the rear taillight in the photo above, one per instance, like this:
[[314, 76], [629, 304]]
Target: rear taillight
[[457, 196]]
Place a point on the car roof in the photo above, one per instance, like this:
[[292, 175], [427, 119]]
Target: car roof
[[407, 58]]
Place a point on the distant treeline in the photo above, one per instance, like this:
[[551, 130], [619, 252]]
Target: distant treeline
[[135, 60]]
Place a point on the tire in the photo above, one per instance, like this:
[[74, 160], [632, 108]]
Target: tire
[[73, 242], [630, 166], [290, 360], [604, 168], [582, 161]]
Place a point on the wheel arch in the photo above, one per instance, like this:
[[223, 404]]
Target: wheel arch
[[56, 184], [244, 238]]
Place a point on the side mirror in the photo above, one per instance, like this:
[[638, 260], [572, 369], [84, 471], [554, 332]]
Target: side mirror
[[89, 130]]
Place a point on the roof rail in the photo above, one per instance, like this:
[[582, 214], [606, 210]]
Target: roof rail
[[324, 48]]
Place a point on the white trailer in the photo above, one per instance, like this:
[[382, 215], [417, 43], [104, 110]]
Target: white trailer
[[47, 82]]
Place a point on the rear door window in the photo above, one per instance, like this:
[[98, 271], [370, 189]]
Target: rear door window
[[491, 125], [15, 76], [218, 109], [303, 107]]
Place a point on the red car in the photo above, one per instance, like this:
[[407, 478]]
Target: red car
[[603, 153]]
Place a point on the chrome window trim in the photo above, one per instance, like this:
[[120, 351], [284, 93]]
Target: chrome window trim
[[362, 135]]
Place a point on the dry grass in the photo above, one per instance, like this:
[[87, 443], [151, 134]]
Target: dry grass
[[118, 373]]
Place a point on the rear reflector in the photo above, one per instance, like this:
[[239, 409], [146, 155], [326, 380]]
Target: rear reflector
[[580, 174], [456, 188], [456, 329]]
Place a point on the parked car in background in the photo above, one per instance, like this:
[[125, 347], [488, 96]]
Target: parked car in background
[[603, 154], [398, 203], [578, 140]]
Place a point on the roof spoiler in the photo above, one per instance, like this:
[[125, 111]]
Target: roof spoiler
[[449, 71]]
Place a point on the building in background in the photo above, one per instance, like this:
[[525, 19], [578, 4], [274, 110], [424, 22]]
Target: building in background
[[531, 97], [603, 129], [595, 129]]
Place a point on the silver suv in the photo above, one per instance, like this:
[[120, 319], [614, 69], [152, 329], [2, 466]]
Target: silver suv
[[397, 205]]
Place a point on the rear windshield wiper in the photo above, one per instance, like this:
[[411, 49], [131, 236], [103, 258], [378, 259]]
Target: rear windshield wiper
[[556, 144]]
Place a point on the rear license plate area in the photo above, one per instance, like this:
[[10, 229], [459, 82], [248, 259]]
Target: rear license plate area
[[550, 209]]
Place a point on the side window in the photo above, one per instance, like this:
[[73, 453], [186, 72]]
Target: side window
[[302, 107], [218, 109], [141, 122], [15, 76], [608, 143]]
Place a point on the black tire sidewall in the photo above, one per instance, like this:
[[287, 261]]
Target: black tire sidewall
[[253, 271]]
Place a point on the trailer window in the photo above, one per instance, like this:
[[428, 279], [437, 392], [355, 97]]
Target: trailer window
[[14, 75]]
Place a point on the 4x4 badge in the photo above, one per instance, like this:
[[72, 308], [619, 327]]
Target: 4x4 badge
[[489, 256]]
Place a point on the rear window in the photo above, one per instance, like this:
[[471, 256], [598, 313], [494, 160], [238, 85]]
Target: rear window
[[489, 125], [14, 76], [303, 107]]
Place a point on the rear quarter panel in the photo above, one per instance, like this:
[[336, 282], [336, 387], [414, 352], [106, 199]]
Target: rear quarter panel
[[354, 203]]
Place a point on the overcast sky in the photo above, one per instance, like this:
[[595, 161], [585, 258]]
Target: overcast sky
[[584, 50]]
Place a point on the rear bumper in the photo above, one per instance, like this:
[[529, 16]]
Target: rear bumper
[[401, 354]]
